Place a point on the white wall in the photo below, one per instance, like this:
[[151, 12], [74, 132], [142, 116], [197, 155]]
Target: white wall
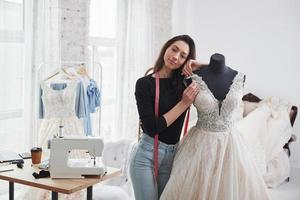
[[259, 38], [74, 30]]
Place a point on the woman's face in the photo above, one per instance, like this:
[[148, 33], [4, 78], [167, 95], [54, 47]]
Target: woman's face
[[176, 55]]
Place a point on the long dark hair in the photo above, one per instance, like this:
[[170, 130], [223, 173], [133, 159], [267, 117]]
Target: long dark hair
[[177, 78]]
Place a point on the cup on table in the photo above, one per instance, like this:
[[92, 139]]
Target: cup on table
[[36, 155]]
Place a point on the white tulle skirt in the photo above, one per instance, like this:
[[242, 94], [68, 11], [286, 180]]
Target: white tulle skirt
[[214, 166]]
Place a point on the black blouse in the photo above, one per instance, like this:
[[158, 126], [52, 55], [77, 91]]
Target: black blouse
[[145, 98]]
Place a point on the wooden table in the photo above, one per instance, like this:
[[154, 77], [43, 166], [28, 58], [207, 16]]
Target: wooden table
[[66, 186]]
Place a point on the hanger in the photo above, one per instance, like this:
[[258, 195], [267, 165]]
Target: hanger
[[82, 71], [60, 72]]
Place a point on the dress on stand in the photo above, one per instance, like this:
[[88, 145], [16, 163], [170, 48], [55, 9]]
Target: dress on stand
[[212, 162]]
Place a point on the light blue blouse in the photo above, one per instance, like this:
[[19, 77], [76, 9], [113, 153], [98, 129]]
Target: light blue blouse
[[93, 94]]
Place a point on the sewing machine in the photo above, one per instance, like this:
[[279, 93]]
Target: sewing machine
[[61, 166]]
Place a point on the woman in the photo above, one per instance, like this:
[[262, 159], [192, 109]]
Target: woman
[[174, 100]]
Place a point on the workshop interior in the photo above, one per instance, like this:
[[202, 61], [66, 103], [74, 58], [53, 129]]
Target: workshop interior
[[69, 122]]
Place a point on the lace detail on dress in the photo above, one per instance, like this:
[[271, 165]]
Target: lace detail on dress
[[59, 103], [212, 116]]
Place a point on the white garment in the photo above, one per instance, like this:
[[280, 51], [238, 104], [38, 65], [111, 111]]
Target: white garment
[[213, 162], [59, 107], [278, 170], [251, 128], [265, 131]]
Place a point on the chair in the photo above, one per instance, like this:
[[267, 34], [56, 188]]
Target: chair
[[116, 154]]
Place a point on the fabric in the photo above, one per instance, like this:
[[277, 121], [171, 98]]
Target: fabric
[[249, 107], [278, 169], [59, 109], [87, 100], [80, 108], [145, 186], [253, 130], [92, 100], [212, 162], [87, 119], [145, 97], [266, 130], [93, 94]]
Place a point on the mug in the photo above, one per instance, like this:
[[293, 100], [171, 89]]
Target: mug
[[36, 155]]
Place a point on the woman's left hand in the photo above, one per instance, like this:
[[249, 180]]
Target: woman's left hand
[[190, 66]]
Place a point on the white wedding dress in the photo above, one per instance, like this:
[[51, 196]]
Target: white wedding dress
[[212, 162], [265, 131], [59, 109]]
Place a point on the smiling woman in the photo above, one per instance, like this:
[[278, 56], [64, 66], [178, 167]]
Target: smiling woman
[[174, 57], [162, 102]]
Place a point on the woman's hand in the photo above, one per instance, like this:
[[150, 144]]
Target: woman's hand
[[190, 93], [190, 66], [187, 99]]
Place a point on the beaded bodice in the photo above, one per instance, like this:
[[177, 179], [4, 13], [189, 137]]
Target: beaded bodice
[[215, 115]]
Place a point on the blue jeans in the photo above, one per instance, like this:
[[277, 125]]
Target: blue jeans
[[142, 168]]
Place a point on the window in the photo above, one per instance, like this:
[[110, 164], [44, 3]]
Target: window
[[103, 18], [11, 15], [12, 75], [103, 50]]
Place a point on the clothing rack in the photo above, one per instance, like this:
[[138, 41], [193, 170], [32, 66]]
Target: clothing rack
[[94, 69]]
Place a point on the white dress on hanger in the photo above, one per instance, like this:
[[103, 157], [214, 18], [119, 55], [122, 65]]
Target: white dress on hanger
[[59, 109], [212, 162]]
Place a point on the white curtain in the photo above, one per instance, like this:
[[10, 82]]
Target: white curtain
[[143, 28], [25, 26], [46, 33], [46, 47], [12, 51]]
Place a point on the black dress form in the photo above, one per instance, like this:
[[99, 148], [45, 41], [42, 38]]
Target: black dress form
[[218, 77]]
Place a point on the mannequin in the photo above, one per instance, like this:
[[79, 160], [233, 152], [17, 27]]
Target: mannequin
[[217, 76], [220, 156]]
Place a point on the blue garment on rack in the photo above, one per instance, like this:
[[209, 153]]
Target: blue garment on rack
[[80, 104], [87, 100], [93, 94], [87, 120]]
